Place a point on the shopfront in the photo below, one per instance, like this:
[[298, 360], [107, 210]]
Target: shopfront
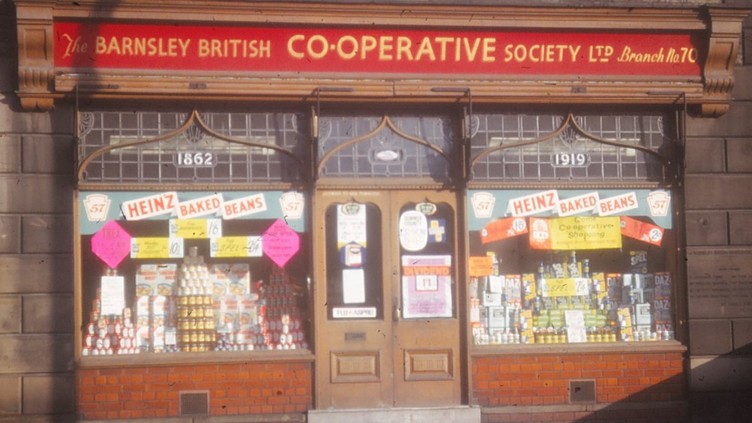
[[283, 211]]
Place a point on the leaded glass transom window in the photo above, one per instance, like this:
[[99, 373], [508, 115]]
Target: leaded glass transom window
[[385, 146], [593, 148], [172, 147]]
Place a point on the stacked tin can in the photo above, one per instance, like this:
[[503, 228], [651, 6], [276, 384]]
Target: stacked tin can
[[125, 332], [108, 335], [196, 327], [284, 325]]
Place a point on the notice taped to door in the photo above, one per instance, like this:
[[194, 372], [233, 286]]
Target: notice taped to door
[[426, 286]]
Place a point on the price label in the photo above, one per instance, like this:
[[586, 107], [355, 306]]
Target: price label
[[236, 246], [148, 248], [196, 228], [566, 287], [480, 266]]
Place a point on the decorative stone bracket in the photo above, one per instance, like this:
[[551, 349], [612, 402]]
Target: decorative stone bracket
[[723, 47], [40, 83], [36, 70]]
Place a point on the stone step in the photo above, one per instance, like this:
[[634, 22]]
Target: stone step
[[453, 414]]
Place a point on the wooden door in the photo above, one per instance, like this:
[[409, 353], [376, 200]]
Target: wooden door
[[387, 321]]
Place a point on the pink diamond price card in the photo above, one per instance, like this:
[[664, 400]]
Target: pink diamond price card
[[111, 244], [280, 243]]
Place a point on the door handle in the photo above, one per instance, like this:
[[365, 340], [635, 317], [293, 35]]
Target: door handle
[[395, 309]]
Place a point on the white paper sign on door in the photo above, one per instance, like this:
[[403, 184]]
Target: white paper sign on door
[[353, 286], [426, 286], [351, 224], [413, 230]]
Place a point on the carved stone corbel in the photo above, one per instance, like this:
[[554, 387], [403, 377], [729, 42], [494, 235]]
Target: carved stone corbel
[[36, 67], [723, 46]]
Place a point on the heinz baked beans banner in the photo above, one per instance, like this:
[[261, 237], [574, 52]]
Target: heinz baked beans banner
[[570, 219], [190, 213], [92, 45]]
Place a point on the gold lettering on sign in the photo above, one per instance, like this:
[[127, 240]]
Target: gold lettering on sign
[[234, 48], [671, 55], [600, 53], [391, 48], [73, 45], [170, 47], [547, 53], [142, 46], [320, 45]]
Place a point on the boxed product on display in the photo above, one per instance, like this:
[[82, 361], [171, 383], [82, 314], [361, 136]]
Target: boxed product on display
[[570, 265], [566, 301]]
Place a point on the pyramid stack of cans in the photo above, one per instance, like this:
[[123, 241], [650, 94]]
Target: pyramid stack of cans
[[196, 326], [267, 319], [109, 335], [284, 322]]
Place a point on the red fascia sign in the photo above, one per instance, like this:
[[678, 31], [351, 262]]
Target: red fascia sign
[[94, 45]]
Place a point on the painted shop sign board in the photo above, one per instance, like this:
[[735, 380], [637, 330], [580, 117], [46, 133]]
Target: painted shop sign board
[[102, 45]]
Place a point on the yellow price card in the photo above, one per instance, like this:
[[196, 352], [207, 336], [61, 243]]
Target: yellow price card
[[481, 266], [236, 246], [565, 287], [149, 248], [195, 228]]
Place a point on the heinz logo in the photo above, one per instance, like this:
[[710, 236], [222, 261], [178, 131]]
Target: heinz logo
[[96, 207], [146, 207], [659, 202]]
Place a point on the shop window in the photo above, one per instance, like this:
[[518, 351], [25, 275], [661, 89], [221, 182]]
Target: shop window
[[169, 266], [576, 261], [386, 146]]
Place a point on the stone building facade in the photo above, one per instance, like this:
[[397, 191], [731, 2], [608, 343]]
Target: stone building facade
[[37, 181]]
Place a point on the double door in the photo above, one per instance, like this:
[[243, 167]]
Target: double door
[[387, 321]]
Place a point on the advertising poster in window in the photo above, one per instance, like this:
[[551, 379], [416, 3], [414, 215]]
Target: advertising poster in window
[[426, 286]]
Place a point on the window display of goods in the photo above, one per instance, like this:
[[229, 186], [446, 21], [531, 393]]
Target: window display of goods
[[197, 307], [566, 302]]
